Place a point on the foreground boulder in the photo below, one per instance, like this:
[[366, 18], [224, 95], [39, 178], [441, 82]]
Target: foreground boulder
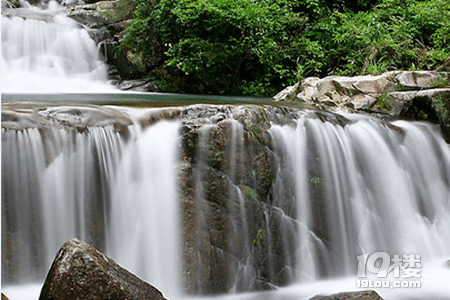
[[79, 271], [362, 295]]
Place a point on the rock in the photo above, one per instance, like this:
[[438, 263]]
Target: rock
[[375, 85], [79, 271], [121, 60], [98, 9], [309, 90], [89, 20], [421, 79], [139, 85], [362, 101], [63, 116], [342, 85], [363, 295], [411, 95], [4, 297], [228, 175], [287, 94]]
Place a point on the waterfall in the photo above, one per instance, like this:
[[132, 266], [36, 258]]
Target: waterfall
[[55, 185], [221, 208], [223, 199], [144, 227], [366, 188], [44, 51], [116, 192], [338, 192]]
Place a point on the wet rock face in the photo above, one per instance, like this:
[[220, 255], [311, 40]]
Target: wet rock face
[[79, 271], [228, 178]]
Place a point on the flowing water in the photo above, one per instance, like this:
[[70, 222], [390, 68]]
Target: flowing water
[[45, 51], [340, 191], [359, 188]]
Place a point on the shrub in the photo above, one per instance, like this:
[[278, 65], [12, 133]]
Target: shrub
[[259, 46]]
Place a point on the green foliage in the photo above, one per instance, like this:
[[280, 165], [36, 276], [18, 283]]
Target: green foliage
[[384, 102], [393, 35], [259, 46], [221, 46], [248, 192], [260, 237], [316, 181]]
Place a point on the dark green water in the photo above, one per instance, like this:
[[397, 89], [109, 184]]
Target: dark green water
[[133, 99]]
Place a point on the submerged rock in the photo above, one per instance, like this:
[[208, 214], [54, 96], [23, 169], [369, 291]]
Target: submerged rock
[[363, 295], [79, 271]]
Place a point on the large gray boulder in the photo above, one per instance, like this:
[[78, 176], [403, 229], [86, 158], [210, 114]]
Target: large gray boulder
[[79, 271]]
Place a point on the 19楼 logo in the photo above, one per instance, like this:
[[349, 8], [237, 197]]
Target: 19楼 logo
[[399, 266]]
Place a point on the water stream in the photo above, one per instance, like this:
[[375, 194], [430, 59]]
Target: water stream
[[44, 51], [337, 191]]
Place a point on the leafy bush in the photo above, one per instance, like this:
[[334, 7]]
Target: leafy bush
[[393, 35], [258, 46], [222, 46]]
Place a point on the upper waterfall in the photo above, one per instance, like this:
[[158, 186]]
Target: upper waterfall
[[44, 51]]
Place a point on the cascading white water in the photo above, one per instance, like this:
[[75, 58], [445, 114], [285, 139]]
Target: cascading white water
[[365, 188], [360, 188], [116, 193], [144, 227], [57, 182], [44, 51]]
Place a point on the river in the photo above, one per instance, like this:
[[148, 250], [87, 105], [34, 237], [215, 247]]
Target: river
[[348, 203]]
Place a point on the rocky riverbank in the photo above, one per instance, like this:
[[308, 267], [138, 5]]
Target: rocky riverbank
[[408, 95]]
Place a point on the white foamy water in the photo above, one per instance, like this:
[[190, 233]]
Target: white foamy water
[[369, 188], [434, 285], [44, 51], [364, 187], [144, 229], [64, 184]]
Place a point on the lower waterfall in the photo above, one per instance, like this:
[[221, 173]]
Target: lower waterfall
[[365, 188], [120, 196], [165, 204]]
